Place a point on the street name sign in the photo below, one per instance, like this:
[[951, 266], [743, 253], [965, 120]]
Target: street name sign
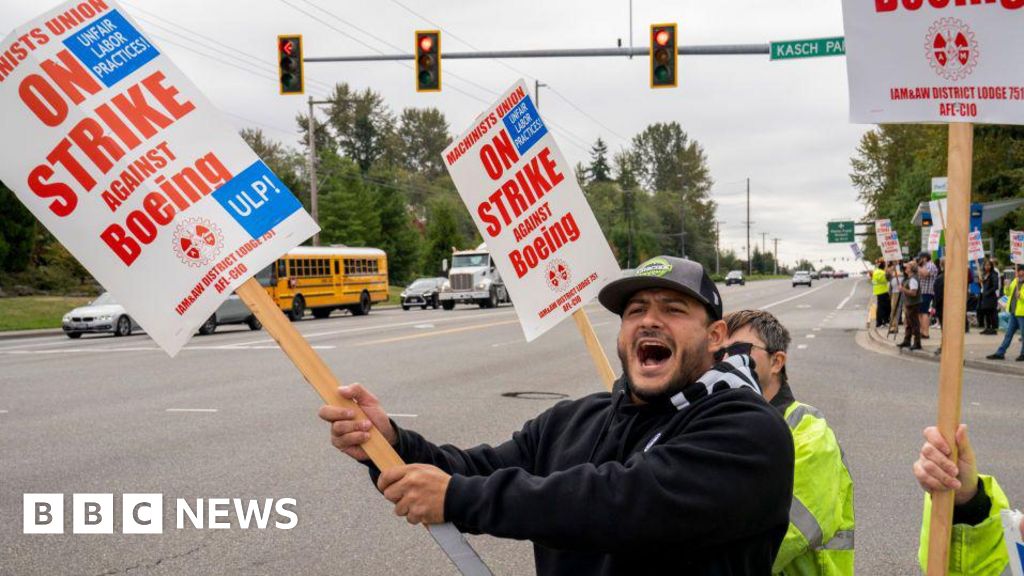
[[813, 48]]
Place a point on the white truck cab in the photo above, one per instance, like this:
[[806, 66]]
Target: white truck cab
[[473, 279]]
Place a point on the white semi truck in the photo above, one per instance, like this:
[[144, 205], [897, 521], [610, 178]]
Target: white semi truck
[[473, 279]]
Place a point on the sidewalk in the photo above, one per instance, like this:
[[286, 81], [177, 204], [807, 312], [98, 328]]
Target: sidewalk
[[976, 347]]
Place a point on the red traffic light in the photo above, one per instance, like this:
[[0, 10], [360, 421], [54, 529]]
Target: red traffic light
[[661, 37], [428, 61], [426, 43]]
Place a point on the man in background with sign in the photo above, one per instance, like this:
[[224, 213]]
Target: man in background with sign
[[683, 468]]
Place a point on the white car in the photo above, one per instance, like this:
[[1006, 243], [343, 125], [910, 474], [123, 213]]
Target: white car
[[802, 277], [101, 315], [105, 315]]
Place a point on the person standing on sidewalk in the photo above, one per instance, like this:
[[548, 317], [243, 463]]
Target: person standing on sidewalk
[[880, 289], [926, 277], [988, 317], [911, 290], [1016, 310]]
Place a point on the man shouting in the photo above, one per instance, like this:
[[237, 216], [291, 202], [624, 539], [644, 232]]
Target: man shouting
[[683, 469]]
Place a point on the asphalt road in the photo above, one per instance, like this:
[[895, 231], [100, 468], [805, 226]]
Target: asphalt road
[[230, 417]]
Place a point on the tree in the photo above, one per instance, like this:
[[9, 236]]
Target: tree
[[363, 126], [287, 164], [348, 214], [398, 238], [599, 170], [421, 137], [442, 235], [17, 233]]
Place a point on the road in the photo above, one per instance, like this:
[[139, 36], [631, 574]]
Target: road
[[230, 417]]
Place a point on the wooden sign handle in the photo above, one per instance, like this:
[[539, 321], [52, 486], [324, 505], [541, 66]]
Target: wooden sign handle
[[961, 144], [312, 367], [604, 368]]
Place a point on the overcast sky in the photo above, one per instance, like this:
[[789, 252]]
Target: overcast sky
[[784, 125]]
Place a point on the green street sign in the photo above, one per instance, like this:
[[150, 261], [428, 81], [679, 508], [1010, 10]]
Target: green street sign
[[840, 232], [813, 48]]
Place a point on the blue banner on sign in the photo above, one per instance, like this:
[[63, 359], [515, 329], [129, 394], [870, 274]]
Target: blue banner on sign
[[524, 125], [257, 200], [111, 48]]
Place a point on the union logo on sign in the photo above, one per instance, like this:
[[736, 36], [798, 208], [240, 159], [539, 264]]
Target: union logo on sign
[[951, 48], [197, 241], [558, 275]]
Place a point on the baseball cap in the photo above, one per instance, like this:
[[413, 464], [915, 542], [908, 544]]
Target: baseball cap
[[666, 272]]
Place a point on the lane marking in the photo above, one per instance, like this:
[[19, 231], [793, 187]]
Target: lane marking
[[802, 347], [383, 326], [600, 324], [423, 326], [803, 306], [791, 298], [818, 329], [403, 415], [435, 333], [207, 410], [3, 411], [509, 343], [810, 335], [852, 292]]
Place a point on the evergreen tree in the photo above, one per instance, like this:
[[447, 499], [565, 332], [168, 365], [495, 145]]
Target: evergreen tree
[[599, 170], [442, 235], [348, 214], [398, 239]]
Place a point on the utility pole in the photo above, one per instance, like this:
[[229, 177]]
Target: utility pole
[[718, 244], [312, 173], [682, 225], [537, 85], [750, 268], [775, 255], [764, 248]]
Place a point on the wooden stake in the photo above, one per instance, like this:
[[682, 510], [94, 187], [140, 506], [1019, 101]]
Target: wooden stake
[[604, 368], [311, 366], [961, 144]]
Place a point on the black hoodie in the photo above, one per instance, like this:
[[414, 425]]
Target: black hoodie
[[699, 484]]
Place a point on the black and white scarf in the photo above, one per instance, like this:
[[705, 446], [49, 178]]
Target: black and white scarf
[[733, 372]]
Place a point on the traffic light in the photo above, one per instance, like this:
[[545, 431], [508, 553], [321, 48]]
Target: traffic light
[[289, 56], [663, 56], [428, 61]]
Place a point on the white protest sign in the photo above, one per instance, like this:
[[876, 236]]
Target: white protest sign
[[1012, 537], [935, 61], [531, 212], [1017, 246], [133, 170], [975, 249], [888, 240], [940, 187], [934, 239], [858, 252]]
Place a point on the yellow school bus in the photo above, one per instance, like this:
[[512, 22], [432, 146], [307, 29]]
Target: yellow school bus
[[324, 279]]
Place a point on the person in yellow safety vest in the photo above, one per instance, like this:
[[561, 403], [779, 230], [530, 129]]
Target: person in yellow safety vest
[[880, 289], [819, 540], [977, 547]]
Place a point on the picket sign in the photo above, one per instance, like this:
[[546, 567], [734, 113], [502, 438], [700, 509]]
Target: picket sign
[[968, 72], [1017, 246], [137, 174], [529, 208]]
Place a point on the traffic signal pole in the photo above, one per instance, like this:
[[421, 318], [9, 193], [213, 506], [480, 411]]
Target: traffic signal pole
[[312, 173], [696, 50]]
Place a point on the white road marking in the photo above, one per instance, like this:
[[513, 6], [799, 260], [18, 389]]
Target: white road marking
[[975, 403], [403, 415], [423, 326], [810, 335], [509, 343], [791, 298], [818, 329], [3, 411], [382, 326], [600, 324], [803, 306], [802, 347], [191, 410], [852, 292]]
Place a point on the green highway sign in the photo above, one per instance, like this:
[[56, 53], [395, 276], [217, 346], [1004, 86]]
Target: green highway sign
[[792, 49], [840, 232]]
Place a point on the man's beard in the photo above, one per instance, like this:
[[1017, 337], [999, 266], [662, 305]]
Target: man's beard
[[690, 365]]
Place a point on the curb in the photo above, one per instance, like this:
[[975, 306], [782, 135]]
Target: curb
[[17, 334], [984, 366]]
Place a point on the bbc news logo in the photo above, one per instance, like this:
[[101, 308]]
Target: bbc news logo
[[144, 513]]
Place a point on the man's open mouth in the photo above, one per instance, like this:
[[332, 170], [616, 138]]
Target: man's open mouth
[[652, 353]]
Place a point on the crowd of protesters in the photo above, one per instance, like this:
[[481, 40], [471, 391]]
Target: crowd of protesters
[[912, 294]]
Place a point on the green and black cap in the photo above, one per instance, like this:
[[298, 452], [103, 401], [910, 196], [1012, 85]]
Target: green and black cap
[[666, 272]]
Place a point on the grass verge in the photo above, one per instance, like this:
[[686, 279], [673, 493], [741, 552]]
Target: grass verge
[[34, 312]]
